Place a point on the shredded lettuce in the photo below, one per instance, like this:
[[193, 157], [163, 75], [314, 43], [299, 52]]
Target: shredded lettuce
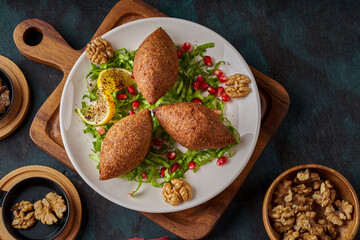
[[190, 65]]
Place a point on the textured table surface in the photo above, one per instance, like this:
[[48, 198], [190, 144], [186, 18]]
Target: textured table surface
[[311, 47]]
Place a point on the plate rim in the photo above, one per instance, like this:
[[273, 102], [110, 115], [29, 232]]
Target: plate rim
[[177, 208]]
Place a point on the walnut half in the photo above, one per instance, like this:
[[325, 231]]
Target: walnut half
[[51, 203], [99, 51], [177, 191], [23, 220], [241, 86]]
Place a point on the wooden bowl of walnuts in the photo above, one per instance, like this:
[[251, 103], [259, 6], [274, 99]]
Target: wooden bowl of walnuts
[[311, 202]]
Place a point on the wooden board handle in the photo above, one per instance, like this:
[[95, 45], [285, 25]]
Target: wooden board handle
[[51, 50]]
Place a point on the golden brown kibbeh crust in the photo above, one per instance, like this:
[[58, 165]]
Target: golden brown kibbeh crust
[[194, 126], [126, 145], [156, 65]]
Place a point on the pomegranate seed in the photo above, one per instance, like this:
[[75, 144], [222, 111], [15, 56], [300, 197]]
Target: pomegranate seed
[[196, 85], [131, 113], [162, 172], [174, 167], [217, 111], [100, 130], [204, 86], [221, 161], [135, 104], [191, 165], [143, 175], [158, 143], [208, 61], [132, 76], [121, 96], [186, 47], [171, 155], [132, 90], [218, 72], [196, 100], [223, 78], [225, 98], [200, 78], [179, 53], [220, 91], [212, 90]]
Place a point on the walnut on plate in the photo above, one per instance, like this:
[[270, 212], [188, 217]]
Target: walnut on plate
[[241, 86], [23, 220], [177, 191], [45, 208], [99, 51]]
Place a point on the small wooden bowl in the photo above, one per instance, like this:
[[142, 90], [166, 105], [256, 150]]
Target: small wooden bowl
[[343, 189]]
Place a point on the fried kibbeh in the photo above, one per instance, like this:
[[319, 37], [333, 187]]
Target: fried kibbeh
[[156, 65], [126, 145], [194, 126]]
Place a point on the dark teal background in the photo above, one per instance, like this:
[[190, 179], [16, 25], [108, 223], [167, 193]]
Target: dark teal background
[[311, 47]]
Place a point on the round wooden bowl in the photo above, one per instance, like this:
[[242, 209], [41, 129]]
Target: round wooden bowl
[[343, 189]]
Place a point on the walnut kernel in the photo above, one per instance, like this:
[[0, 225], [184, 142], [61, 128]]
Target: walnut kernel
[[241, 86], [57, 204], [23, 220], [302, 189], [283, 217], [306, 222], [99, 51], [281, 191], [51, 203], [308, 236], [177, 191], [326, 195], [291, 235], [44, 213]]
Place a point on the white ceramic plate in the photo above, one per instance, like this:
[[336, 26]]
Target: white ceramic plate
[[211, 179]]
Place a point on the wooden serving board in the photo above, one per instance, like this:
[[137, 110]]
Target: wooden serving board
[[54, 51]]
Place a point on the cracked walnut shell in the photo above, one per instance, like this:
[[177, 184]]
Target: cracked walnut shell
[[23, 220], [241, 86], [177, 191], [99, 51]]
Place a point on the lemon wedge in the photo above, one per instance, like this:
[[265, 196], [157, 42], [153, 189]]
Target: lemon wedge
[[114, 79], [100, 112], [109, 80]]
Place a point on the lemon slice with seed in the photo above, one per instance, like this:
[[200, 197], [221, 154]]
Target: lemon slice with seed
[[100, 112], [114, 79]]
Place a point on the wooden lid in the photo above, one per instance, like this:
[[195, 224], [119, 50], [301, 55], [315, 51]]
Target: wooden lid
[[73, 226], [21, 101]]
